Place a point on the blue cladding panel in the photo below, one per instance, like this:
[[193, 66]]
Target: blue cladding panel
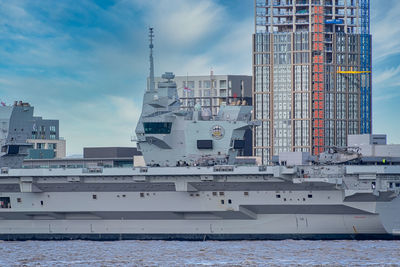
[[365, 103], [41, 154]]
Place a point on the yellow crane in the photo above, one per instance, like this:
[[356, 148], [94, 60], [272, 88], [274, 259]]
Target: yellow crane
[[351, 71]]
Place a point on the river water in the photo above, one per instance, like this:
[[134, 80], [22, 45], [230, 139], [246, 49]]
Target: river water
[[208, 253]]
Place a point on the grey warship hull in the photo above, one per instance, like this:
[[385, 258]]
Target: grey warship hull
[[220, 203], [342, 196]]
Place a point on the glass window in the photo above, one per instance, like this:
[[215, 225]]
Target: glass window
[[157, 127], [207, 84], [52, 128], [52, 146], [40, 145], [52, 136], [222, 84]]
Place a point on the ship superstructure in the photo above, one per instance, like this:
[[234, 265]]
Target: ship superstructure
[[191, 190]]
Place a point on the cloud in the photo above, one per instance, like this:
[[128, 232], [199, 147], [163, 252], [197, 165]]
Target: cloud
[[388, 76], [182, 23], [385, 31], [106, 121]]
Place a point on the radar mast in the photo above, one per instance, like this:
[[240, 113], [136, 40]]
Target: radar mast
[[151, 46]]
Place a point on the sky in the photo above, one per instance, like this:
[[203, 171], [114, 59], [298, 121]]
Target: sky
[[85, 62]]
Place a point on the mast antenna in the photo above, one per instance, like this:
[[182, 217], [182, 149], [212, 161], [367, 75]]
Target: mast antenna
[[151, 46]]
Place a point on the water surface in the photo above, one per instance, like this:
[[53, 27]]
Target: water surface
[[209, 253]]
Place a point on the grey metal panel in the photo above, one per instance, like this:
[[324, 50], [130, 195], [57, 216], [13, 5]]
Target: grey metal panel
[[110, 152], [258, 186], [9, 188], [106, 187], [364, 197], [303, 209]]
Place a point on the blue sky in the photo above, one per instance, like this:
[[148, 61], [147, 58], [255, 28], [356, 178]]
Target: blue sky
[[86, 62]]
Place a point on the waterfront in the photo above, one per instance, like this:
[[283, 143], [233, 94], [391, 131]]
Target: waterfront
[[209, 253]]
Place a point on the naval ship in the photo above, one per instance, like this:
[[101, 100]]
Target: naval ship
[[194, 188]]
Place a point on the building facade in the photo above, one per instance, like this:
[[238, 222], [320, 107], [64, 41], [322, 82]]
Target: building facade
[[46, 140], [213, 90], [312, 74]]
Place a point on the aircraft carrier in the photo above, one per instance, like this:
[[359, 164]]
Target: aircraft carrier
[[194, 188]]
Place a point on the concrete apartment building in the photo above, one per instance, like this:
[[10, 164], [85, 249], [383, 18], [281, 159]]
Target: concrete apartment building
[[46, 139], [211, 91], [40, 136], [312, 74]]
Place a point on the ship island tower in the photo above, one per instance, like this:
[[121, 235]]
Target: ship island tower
[[312, 74]]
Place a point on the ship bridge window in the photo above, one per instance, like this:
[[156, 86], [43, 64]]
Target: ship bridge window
[[13, 149], [157, 127], [5, 203]]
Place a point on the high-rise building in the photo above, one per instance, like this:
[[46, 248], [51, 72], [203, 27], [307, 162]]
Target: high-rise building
[[312, 74], [211, 91]]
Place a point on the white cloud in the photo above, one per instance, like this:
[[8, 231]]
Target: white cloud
[[183, 22], [388, 76], [385, 29], [106, 121]]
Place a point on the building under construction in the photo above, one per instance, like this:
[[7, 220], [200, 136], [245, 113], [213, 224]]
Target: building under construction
[[312, 74]]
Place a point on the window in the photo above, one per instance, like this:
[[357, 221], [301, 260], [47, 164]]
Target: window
[[94, 196], [214, 193], [52, 136], [221, 193], [204, 144], [207, 84], [141, 194], [40, 145], [230, 201], [190, 84], [52, 146], [246, 193], [19, 200], [222, 84], [52, 128], [157, 127], [13, 149], [222, 201], [278, 196], [5, 203], [309, 196], [41, 202]]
